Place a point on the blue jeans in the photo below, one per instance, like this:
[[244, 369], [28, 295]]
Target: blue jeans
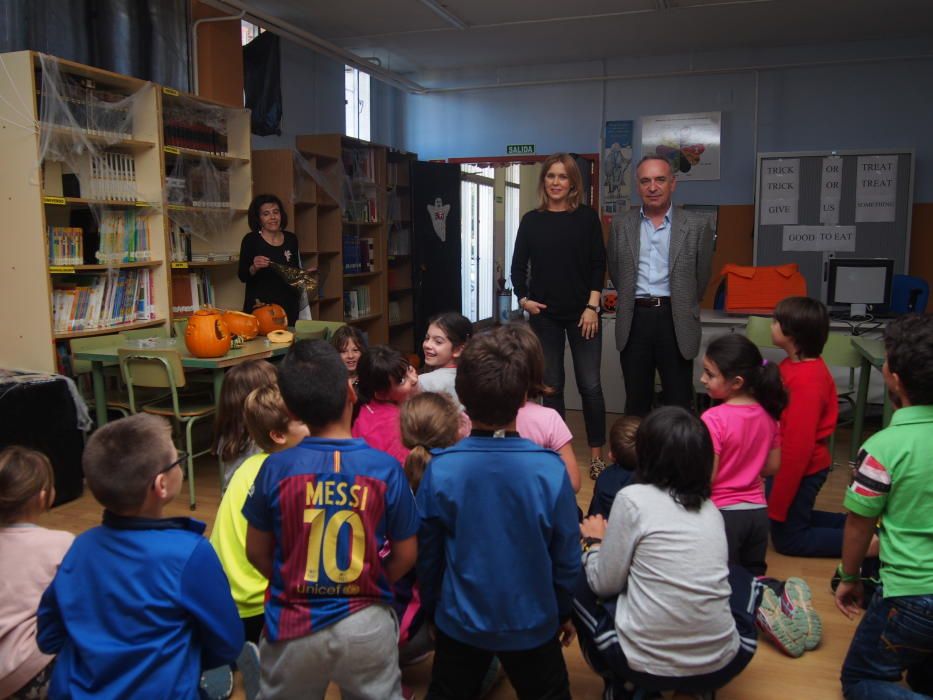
[[895, 635], [587, 359], [807, 532]]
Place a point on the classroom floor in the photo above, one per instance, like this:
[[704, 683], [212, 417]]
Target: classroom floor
[[770, 676]]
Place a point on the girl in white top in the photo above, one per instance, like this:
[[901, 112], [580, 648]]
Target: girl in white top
[[674, 616], [447, 335], [31, 556]]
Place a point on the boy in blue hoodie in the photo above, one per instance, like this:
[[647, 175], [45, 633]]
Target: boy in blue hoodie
[[140, 604], [499, 544]]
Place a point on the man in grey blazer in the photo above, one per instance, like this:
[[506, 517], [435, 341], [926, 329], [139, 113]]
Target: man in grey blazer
[[659, 260]]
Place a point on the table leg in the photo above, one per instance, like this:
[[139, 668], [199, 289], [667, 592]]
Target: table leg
[[887, 410], [861, 401], [218, 374], [100, 392]]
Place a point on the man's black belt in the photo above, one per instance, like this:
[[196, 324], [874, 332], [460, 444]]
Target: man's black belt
[[652, 302]]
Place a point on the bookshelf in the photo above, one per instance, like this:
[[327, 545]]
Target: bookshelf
[[349, 204], [90, 210], [208, 188], [400, 307], [84, 231]]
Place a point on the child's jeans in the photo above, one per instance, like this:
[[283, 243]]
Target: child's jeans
[[807, 532], [895, 635]]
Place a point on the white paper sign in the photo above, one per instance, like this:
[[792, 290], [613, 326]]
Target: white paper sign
[[778, 212], [829, 211], [819, 238], [876, 188], [830, 190], [780, 178]]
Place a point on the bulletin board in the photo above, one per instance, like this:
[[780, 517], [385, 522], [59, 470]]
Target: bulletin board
[[812, 206]]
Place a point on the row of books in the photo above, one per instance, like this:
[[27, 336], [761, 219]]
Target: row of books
[[78, 101], [359, 254], [185, 132], [356, 302], [190, 291], [180, 242], [65, 245], [103, 301], [360, 163], [198, 186], [362, 211], [110, 176], [125, 236]]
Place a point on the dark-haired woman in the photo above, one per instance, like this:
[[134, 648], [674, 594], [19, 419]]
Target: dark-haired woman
[[268, 241], [673, 615]]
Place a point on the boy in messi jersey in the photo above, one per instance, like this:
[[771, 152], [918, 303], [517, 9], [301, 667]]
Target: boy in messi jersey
[[894, 482], [318, 515]]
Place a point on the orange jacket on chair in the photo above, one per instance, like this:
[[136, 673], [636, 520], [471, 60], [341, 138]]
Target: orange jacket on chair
[[756, 289]]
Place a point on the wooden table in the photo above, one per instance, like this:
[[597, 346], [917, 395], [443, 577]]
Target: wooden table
[[872, 352], [256, 349]]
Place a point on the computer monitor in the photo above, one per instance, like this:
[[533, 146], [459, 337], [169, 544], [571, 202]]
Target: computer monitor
[[859, 282]]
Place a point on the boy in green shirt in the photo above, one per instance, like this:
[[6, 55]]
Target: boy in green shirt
[[894, 482]]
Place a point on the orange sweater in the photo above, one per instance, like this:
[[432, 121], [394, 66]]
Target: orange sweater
[[806, 425]]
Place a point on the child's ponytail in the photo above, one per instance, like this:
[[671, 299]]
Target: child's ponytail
[[768, 389], [415, 465], [428, 420]]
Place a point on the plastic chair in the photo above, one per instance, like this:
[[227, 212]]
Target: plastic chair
[[909, 294], [179, 326], [758, 330], [162, 369], [839, 352], [316, 330]]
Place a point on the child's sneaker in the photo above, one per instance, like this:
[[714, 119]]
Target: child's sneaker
[[247, 664], [779, 627], [799, 599], [216, 683], [597, 466]]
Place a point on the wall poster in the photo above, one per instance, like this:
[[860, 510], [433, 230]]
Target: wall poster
[[689, 141], [617, 167]]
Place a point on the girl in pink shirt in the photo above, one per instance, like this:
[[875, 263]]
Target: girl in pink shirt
[[540, 424], [746, 442], [386, 379]]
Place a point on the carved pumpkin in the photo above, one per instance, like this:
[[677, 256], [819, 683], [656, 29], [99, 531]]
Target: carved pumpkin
[[207, 334], [246, 326], [271, 317]]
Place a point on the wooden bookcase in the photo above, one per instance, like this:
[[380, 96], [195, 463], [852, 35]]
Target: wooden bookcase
[[63, 170], [399, 275]]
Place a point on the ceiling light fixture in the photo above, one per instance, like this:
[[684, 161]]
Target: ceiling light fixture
[[444, 13]]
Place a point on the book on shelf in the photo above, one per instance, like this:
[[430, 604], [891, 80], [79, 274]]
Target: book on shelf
[[215, 256], [360, 163], [351, 304], [351, 253], [362, 211], [193, 131], [395, 312], [198, 185], [78, 102], [367, 254], [108, 175], [399, 241], [180, 240], [65, 245], [125, 236], [190, 291], [87, 302]]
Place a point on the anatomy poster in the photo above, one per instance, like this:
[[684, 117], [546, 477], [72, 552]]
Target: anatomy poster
[[689, 141], [616, 167]]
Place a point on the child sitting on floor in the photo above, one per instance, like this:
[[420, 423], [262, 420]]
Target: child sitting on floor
[[30, 555], [619, 474], [140, 604]]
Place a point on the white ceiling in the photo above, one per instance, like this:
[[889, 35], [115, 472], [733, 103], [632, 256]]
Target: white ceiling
[[409, 37]]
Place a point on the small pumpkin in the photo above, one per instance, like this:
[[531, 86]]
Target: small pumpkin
[[271, 317], [244, 325], [206, 334]]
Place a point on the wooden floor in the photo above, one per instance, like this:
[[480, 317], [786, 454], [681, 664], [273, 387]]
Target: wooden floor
[[770, 676]]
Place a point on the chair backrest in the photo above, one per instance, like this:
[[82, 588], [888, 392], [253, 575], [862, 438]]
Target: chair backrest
[[758, 330], [153, 332], [316, 330], [909, 294], [179, 326], [839, 351], [151, 368], [91, 343]]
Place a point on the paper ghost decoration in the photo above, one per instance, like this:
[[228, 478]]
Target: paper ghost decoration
[[438, 212]]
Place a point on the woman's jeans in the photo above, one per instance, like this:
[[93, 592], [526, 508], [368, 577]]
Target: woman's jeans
[[895, 635], [587, 360]]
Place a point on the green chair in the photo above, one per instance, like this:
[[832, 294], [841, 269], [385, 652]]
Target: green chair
[[839, 352], [117, 399], [758, 330], [162, 369], [179, 326], [312, 330]]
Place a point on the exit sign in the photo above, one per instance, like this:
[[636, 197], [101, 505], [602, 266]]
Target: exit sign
[[520, 149]]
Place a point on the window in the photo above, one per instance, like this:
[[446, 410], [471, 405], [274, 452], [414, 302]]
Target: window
[[249, 31], [476, 211], [356, 86], [513, 217]]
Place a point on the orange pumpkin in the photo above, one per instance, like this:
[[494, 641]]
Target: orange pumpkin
[[206, 334], [244, 325], [271, 317]]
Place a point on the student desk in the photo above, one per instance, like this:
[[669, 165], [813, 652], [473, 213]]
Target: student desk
[[872, 352], [256, 349]]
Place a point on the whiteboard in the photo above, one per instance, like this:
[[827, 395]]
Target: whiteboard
[[813, 205]]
